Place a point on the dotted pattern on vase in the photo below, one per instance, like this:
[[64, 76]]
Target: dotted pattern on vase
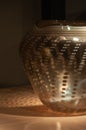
[[57, 69]]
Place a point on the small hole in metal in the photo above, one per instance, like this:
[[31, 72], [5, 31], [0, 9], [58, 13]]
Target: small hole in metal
[[66, 73], [76, 80], [64, 81], [75, 84], [63, 88], [63, 96], [73, 96], [64, 84], [84, 92], [74, 92], [53, 95], [63, 92], [53, 91], [65, 77], [74, 89], [53, 87]]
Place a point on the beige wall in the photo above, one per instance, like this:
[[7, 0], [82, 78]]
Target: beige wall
[[16, 18]]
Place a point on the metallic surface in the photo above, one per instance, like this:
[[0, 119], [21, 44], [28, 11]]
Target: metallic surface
[[54, 58]]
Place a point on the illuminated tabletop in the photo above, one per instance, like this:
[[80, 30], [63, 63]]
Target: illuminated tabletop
[[21, 109]]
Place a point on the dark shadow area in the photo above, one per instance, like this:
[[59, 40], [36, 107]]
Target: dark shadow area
[[81, 16], [77, 16]]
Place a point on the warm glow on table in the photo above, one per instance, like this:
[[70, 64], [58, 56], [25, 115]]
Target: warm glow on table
[[21, 109]]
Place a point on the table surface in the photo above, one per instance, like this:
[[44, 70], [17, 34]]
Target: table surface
[[23, 101], [20, 108]]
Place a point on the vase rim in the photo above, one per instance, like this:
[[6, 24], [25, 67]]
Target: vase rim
[[60, 26], [45, 23]]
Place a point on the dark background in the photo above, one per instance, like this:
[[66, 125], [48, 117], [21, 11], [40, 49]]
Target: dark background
[[16, 18]]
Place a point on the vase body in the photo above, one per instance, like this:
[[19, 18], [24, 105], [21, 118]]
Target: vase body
[[54, 58]]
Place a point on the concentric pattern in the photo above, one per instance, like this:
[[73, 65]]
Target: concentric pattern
[[56, 67]]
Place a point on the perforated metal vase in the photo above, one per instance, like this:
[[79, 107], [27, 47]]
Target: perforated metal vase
[[54, 57]]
